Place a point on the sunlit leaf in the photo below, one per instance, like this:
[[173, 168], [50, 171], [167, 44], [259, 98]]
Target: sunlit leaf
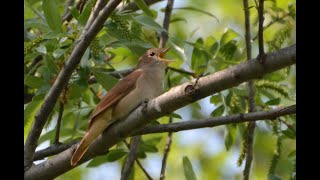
[[144, 7], [51, 12], [187, 169]]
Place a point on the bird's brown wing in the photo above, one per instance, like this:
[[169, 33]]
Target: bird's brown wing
[[121, 89]]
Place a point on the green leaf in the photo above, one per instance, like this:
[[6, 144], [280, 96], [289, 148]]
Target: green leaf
[[198, 10], [188, 170], [289, 133], [273, 177], [75, 13], [177, 19], [32, 108], [143, 6], [273, 101], [240, 92], [153, 141], [199, 59], [218, 111], [84, 60], [144, 147], [230, 136], [51, 12], [211, 45], [174, 115], [148, 22], [112, 155], [215, 99], [83, 18], [106, 80], [34, 82], [228, 36]]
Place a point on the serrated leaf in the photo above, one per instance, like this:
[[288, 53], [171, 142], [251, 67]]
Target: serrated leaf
[[112, 156], [83, 18], [34, 82], [106, 80], [187, 169], [143, 6], [273, 102], [230, 136], [218, 111], [148, 22], [228, 36], [52, 15], [198, 10]]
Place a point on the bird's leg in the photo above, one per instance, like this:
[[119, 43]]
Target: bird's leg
[[144, 105]]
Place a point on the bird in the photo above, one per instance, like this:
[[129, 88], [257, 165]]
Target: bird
[[144, 83]]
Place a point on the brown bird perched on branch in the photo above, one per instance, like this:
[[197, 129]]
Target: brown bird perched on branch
[[145, 82]]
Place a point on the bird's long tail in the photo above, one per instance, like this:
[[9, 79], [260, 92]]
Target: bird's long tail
[[97, 127]]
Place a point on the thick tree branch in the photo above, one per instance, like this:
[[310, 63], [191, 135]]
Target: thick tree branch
[[213, 122], [166, 23], [53, 150], [132, 156], [166, 103], [61, 81]]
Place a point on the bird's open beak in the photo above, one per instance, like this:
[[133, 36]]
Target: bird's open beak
[[162, 54]]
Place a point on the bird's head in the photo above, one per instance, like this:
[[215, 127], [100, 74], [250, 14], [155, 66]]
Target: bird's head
[[154, 56]]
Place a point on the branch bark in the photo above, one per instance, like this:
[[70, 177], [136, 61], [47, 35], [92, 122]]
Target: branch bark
[[166, 103], [213, 122], [61, 81], [252, 106], [128, 165], [53, 150], [166, 23]]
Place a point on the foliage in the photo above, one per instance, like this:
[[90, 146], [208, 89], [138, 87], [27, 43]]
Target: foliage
[[200, 45]]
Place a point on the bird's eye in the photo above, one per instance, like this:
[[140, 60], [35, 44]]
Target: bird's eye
[[152, 54]]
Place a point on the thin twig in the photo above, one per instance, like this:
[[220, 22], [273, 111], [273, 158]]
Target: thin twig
[[261, 56], [166, 23], [168, 145], [166, 153], [288, 125], [128, 165], [139, 163], [133, 7], [271, 23], [183, 71], [251, 126], [67, 14], [53, 150], [213, 122], [61, 81], [56, 139]]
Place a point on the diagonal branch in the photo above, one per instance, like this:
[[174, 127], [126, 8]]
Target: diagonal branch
[[166, 103], [61, 81], [166, 23], [132, 156], [53, 150], [213, 122]]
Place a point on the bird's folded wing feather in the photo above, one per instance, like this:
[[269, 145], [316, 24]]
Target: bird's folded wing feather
[[121, 89]]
